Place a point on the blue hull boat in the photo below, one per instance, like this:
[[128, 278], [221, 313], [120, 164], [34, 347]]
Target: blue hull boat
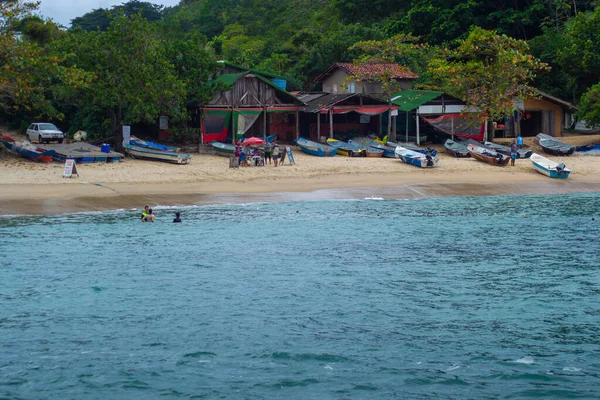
[[549, 167], [316, 149], [412, 147], [417, 159], [388, 151]]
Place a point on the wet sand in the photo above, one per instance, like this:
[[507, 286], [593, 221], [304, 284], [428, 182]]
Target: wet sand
[[30, 188]]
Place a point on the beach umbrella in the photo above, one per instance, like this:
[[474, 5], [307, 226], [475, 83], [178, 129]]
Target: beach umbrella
[[253, 141]]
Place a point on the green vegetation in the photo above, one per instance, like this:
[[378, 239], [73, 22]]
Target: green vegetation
[[132, 62]]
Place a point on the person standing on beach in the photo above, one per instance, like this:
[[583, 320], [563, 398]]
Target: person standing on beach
[[275, 153], [520, 141], [177, 217], [145, 212], [514, 152], [149, 217], [268, 152]]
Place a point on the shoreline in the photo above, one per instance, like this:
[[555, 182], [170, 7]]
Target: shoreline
[[48, 199]]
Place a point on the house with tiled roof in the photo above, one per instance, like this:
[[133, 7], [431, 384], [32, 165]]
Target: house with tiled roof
[[339, 78]]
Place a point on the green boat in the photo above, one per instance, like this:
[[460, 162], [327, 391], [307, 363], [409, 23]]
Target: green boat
[[222, 149]]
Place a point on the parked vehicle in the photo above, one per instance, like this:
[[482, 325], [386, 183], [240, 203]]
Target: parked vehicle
[[44, 132]]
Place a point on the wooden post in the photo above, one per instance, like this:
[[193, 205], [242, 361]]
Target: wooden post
[[297, 125], [201, 130], [452, 122], [406, 131], [389, 127], [418, 130], [331, 123], [265, 125], [394, 128], [319, 127]]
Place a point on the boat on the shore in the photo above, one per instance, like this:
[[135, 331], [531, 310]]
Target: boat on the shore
[[553, 146], [487, 155], [388, 151], [316, 149], [456, 149], [549, 168], [27, 150], [413, 147], [415, 158], [348, 149], [157, 155], [595, 148], [521, 153], [223, 149], [374, 152], [135, 141]]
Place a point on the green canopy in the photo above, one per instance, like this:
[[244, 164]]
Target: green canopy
[[408, 100]]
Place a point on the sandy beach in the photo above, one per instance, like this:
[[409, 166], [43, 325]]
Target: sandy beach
[[30, 188]]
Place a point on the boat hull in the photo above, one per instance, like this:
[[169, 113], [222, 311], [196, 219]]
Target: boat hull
[[33, 154], [457, 150], [492, 157], [316, 149], [521, 153], [224, 150], [557, 151], [374, 153], [549, 167], [416, 159], [157, 155], [388, 152]]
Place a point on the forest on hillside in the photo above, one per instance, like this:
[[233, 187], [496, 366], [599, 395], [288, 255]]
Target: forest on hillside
[[92, 71]]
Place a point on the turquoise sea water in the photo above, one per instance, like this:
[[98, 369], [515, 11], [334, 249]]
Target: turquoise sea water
[[478, 298]]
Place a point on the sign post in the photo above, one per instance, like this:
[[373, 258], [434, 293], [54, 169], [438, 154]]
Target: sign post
[[126, 134], [290, 156], [70, 168]]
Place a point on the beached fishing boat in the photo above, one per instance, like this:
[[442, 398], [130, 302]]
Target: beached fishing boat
[[521, 153], [456, 149], [374, 152], [349, 149], [549, 167], [27, 150], [316, 149], [157, 155], [553, 146], [488, 156], [135, 141], [589, 148], [413, 147], [388, 151], [415, 158], [223, 149]]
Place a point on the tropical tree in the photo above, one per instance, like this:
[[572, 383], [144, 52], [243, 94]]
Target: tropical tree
[[490, 72], [134, 80], [31, 77]]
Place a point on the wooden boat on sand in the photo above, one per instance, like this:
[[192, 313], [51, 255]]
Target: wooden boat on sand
[[417, 159], [223, 149], [316, 149], [157, 155], [413, 147], [521, 153], [388, 151], [27, 150], [456, 149], [349, 149], [549, 168], [553, 146], [488, 156]]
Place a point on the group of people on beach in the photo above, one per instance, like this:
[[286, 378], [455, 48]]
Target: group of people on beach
[[148, 215], [248, 156]]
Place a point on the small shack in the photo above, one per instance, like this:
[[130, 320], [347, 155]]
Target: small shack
[[249, 105], [341, 116], [547, 114]]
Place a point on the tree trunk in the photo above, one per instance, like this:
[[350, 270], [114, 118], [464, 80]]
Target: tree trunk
[[389, 127]]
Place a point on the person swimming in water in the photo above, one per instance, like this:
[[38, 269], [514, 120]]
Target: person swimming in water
[[177, 217], [149, 217], [145, 212]]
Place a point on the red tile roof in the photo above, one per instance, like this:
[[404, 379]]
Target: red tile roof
[[397, 71]]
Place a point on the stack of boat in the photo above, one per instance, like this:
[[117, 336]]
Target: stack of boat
[[416, 158], [553, 146], [27, 150], [138, 148]]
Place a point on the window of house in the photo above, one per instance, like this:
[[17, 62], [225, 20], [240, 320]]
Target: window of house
[[351, 87]]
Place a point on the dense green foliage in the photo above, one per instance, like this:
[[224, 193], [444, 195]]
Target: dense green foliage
[[175, 50]]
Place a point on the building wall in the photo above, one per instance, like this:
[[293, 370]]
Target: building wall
[[337, 81], [546, 106]]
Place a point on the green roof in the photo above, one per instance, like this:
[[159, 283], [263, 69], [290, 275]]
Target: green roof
[[228, 79], [408, 100], [255, 71]]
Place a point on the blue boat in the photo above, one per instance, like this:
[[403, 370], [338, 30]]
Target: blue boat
[[350, 149], [417, 159], [412, 147], [549, 167], [316, 149], [135, 141], [157, 155], [388, 151], [27, 150]]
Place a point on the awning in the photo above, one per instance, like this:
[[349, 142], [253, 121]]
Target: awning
[[364, 110], [457, 125], [408, 100]]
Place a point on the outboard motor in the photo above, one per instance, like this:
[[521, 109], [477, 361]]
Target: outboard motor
[[560, 168], [429, 160]]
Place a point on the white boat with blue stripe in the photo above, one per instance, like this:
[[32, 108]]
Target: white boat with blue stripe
[[549, 167]]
